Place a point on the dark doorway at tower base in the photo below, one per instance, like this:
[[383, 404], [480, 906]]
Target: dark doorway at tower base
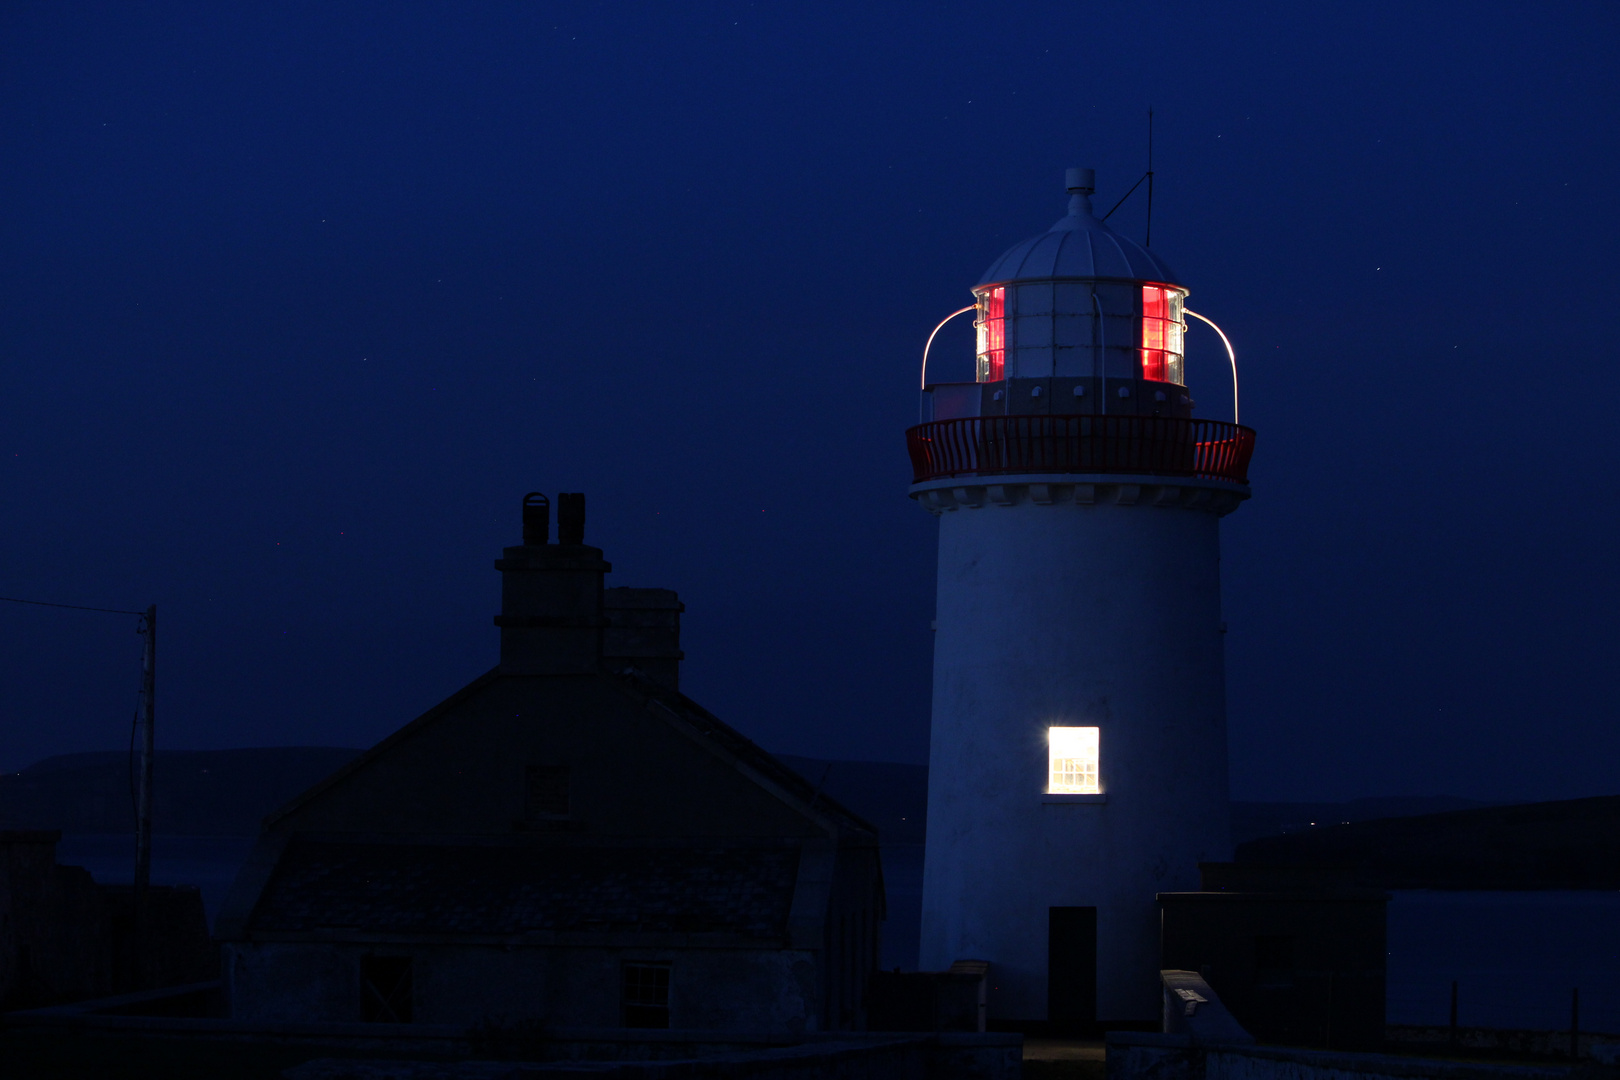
[[1071, 970]]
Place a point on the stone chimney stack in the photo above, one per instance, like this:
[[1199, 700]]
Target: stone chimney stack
[[644, 632], [551, 616]]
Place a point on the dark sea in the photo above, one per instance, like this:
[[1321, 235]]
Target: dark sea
[[1515, 956]]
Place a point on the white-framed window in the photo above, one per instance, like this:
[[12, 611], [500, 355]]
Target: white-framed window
[[1164, 330], [1071, 755]]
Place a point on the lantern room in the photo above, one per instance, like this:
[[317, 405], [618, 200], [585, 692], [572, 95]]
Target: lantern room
[[1036, 329], [1077, 320]]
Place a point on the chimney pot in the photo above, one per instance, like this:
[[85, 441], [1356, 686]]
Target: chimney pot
[[571, 517], [536, 519], [551, 594]]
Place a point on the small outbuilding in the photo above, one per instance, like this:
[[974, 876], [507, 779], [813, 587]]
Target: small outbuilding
[[64, 937], [568, 840]]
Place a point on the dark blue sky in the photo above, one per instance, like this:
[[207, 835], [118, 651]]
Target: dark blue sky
[[296, 301]]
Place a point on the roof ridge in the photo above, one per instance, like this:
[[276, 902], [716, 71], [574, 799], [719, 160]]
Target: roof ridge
[[361, 759], [743, 748]]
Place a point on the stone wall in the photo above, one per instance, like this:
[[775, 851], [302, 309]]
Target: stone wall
[[1140, 1055]]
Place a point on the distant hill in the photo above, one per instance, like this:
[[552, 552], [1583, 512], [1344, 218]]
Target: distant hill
[[1252, 820], [195, 792], [1571, 844], [1395, 842], [229, 792]]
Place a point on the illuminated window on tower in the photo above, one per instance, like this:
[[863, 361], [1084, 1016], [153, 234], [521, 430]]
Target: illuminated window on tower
[[992, 326], [1072, 761], [1163, 331]]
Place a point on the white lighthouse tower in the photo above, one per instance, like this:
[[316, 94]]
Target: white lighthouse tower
[[1078, 762]]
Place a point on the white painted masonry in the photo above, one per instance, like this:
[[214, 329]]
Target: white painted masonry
[[1073, 601]]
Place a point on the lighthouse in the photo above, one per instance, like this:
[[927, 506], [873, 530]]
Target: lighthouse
[[1078, 760]]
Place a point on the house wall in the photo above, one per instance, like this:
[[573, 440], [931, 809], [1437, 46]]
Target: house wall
[[626, 759], [710, 988], [851, 938], [634, 772]]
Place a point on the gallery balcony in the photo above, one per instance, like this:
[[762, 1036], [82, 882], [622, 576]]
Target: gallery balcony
[[1089, 444]]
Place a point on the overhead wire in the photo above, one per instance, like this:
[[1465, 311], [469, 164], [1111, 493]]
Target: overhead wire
[[73, 607], [129, 770]]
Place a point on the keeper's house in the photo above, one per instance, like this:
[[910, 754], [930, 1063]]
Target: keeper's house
[[567, 840]]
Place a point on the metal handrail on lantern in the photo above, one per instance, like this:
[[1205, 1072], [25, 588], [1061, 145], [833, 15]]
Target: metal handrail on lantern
[[937, 329], [1230, 355], [930, 345], [1147, 445]]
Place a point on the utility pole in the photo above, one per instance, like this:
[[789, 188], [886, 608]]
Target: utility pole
[[147, 628], [143, 811]]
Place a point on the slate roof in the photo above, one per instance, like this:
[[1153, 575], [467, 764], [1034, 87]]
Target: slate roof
[[506, 889]]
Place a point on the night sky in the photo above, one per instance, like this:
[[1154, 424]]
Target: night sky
[[297, 300]]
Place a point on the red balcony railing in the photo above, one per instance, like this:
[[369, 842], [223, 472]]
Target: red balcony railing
[[1150, 445]]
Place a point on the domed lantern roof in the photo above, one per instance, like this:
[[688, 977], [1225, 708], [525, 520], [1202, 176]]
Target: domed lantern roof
[[1082, 305], [1079, 246]]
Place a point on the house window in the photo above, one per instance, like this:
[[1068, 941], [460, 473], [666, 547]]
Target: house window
[[545, 792], [646, 995], [1072, 761], [385, 989]]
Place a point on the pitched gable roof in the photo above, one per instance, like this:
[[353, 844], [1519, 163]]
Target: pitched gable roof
[[658, 701]]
